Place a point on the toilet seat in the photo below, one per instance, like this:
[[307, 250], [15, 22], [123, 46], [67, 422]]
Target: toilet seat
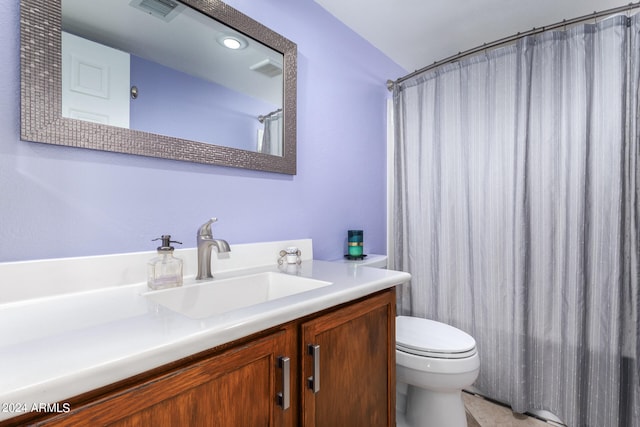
[[428, 338]]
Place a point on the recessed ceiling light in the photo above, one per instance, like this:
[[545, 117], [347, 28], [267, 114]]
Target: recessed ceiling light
[[232, 41]]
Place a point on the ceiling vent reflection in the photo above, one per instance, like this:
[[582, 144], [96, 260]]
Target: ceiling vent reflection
[[162, 9]]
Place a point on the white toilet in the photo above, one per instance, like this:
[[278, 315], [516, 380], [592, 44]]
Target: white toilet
[[434, 362]]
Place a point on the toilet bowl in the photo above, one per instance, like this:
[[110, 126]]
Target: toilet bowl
[[434, 362]]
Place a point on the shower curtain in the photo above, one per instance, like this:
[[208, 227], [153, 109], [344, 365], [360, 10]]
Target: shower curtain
[[516, 211], [272, 142]]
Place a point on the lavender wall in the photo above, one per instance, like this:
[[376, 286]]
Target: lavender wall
[[59, 201], [174, 103]]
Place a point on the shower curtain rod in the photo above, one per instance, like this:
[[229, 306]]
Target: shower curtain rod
[[509, 39], [261, 118]]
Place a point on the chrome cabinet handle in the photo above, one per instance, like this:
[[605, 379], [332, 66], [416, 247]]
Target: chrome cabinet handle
[[284, 397], [314, 381]]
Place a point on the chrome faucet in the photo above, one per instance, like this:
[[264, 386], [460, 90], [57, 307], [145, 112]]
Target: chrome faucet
[[205, 245]]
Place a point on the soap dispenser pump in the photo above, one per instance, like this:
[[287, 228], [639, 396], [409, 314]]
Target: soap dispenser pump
[[165, 270]]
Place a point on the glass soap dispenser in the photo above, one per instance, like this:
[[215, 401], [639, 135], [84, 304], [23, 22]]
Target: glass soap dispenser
[[165, 270]]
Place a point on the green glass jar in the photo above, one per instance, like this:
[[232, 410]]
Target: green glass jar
[[355, 243]]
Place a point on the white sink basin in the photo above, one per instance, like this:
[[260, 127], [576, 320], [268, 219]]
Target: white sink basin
[[221, 295]]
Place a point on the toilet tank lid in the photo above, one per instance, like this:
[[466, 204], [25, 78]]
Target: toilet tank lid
[[424, 335]]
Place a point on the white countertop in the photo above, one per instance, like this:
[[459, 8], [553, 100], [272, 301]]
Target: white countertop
[[57, 347]]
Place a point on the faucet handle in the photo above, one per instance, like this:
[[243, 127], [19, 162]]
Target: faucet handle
[[205, 229]]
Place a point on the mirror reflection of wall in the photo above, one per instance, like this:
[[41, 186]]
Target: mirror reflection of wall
[[183, 90], [174, 103]]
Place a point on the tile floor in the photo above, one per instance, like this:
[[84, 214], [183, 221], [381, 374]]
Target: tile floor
[[484, 413]]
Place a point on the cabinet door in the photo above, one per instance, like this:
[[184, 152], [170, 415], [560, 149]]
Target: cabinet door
[[353, 382], [236, 388]]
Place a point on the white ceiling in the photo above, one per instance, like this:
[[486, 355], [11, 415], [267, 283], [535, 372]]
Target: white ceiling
[[416, 33]]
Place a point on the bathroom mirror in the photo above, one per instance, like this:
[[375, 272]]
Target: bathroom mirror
[[237, 111]]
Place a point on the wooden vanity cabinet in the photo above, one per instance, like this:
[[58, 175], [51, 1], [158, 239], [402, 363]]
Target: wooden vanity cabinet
[[235, 388], [355, 346], [342, 373]]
